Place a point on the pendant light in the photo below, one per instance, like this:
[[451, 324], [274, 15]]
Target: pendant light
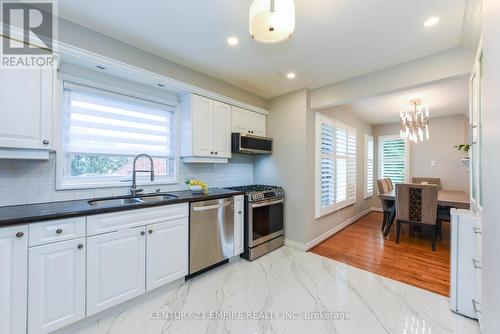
[[272, 21]]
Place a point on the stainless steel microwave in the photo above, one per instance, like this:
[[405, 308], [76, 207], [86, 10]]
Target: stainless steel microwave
[[250, 144]]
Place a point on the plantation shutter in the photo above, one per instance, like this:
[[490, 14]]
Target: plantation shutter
[[393, 160], [102, 122], [336, 160], [369, 165]]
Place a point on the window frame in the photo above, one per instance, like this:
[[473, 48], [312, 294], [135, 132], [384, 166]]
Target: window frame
[[112, 181], [367, 193], [319, 210], [380, 140]]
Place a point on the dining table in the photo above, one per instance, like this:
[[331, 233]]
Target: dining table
[[446, 199]]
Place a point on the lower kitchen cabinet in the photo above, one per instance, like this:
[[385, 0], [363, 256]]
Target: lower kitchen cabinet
[[166, 252], [13, 278], [56, 285], [116, 265], [239, 224]]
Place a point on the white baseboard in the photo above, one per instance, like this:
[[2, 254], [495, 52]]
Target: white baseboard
[[377, 209], [305, 247]]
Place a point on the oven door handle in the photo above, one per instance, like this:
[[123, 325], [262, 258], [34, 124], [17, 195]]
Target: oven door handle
[[267, 203]]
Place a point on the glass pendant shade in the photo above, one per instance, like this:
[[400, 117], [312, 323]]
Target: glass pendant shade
[[272, 21]]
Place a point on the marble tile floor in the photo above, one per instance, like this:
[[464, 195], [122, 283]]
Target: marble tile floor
[[283, 288]]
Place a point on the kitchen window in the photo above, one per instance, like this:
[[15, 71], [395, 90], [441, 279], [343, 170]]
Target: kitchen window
[[104, 130], [335, 165], [369, 165], [393, 159]]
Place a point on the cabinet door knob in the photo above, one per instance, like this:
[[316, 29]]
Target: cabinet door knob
[[46, 142], [80, 246], [59, 231], [211, 152], [19, 234], [142, 232], [150, 231], [216, 152]]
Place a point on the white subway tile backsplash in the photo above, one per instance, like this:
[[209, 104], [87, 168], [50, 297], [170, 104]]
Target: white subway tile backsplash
[[23, 182]]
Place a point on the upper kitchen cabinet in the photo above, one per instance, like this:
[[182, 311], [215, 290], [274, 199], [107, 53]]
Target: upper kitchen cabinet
[[205, 130], [245, 121], [27, 103]]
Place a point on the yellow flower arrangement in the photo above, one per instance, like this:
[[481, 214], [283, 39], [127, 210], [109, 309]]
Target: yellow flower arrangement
[[197, 185]]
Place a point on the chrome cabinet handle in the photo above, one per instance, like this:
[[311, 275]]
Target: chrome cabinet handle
[[59, 231], [475, 304], [45, 142], [258, 205], [476, 229], [211, 207], [80, 246], [19, 235], [143, 233], [476, 263], [150, 231]]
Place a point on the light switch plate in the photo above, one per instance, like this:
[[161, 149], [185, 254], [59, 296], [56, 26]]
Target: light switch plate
[[433, 163]]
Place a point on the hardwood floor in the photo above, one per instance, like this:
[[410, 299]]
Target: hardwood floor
[[412, 261]]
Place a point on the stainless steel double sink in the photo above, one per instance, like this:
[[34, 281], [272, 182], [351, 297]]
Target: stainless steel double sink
[[126, 200]]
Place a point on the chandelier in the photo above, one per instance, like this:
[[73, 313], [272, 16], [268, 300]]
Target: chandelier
[[272, 21], [415, 122]]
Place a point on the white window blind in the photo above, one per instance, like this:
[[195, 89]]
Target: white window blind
[[101, 122], [392, 156], [369, 165], [336, 165]]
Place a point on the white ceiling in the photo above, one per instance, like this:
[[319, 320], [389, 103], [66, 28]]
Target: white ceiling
[[444, 98], [334, 39]]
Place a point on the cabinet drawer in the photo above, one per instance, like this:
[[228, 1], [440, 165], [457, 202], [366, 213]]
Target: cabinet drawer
[[56, 230], [110, 222]]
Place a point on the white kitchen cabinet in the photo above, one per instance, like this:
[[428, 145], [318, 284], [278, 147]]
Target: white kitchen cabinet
[[116, 268], [56, 285], [246, 121], [166, 252], [13, 278], [26, 128], [239, 224], [205, 130], [222, 130]]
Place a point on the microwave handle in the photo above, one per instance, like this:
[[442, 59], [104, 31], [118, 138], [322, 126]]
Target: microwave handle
[[267, 203]]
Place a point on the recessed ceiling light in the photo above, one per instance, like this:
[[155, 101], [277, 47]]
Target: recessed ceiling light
[[431, 21], [290, 75], [232, 41]]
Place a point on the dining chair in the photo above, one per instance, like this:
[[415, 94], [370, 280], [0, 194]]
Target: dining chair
[[427, 180], [385, 185], [416, 204]]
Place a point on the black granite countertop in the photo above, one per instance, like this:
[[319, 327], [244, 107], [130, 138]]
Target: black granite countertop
[[21, 214]]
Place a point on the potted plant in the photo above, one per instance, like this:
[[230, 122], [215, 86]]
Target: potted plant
[[464, 148]]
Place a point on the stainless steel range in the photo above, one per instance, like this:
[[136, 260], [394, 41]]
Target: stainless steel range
[[264, 219]]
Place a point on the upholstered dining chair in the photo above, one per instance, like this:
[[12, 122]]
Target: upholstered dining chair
[[385, 185], [427, 180], [417, 204]]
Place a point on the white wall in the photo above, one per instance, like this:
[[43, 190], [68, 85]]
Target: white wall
[[84, 38], [445, 132], [443, 65], [26, 182], [287, 166], [321, 226], [491, 163], [292, 126]]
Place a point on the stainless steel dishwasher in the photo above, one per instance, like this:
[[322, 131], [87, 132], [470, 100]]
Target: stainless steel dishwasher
[[211, 233]]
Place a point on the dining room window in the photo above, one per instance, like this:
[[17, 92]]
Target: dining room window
[[393, 155], [102, 132], [369, 165], [335, 165]]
